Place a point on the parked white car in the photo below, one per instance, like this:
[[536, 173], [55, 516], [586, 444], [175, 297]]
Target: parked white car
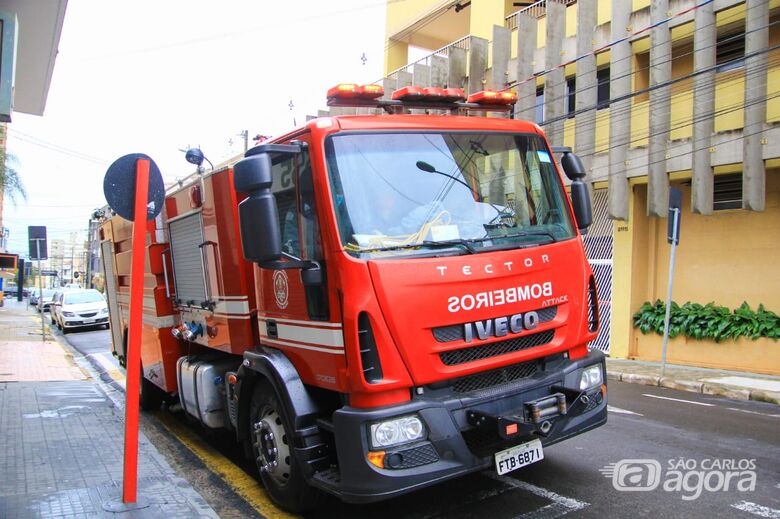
[[79, 308], [44, 301]]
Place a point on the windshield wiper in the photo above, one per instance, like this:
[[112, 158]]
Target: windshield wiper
[[466, 244], [520, 234]]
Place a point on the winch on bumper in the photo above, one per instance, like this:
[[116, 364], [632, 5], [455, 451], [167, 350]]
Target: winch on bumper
[[463, 428]]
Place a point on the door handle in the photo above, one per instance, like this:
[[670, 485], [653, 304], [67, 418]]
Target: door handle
[[273, 331]]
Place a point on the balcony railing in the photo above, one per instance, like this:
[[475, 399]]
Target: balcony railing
[[536, 10], [462, 43]]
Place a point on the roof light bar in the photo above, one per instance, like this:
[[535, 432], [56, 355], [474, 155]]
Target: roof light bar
[[491, 97], [409, 93], [414, 97], [353, 91], [454, 95], [371, 91]]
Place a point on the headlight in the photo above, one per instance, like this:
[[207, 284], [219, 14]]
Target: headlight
[[399, 430], [591, 377], [68, 314], [104, 311]]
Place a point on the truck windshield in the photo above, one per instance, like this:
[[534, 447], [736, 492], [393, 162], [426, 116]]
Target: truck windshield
[[414, 193]]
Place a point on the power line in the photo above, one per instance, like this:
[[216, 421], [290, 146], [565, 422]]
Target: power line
[[610, 44], [30, 139], [669, 82], [213, 37], [703, 116], [630, 110], [672, 58], [692, 120]]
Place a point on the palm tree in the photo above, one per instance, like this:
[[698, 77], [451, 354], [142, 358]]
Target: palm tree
[[9, 175]]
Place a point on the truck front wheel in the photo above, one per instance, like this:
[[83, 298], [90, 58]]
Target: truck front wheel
[[274, 454]]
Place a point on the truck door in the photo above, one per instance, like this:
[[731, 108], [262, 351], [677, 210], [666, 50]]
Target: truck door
[[292, 317]]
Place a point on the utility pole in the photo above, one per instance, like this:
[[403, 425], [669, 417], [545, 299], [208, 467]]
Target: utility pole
[[245, 135], [40, 285]]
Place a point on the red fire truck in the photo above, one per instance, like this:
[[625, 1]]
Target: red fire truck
[[374, 303]]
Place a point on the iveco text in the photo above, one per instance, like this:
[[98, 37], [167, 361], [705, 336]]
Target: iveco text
[[499, 297]]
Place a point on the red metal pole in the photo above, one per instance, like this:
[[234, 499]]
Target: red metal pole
[[134, 332]]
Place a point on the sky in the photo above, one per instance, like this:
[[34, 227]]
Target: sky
[[156, 77]]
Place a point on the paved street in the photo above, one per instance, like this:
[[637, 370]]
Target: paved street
[[646, 423]]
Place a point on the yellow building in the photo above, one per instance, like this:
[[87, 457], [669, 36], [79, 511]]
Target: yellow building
[[693, 103]]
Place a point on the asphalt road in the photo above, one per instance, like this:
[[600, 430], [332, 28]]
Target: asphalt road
[[691, 447]]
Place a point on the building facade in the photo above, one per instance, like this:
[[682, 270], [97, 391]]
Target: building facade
[[682, 93]]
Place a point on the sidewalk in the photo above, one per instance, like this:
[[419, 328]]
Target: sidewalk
[[737, 385], [62, 437]]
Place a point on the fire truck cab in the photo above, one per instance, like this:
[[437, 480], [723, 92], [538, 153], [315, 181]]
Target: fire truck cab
[[375, 303]]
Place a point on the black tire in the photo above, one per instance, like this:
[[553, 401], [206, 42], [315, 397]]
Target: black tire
[[151, 396], [269, 427]]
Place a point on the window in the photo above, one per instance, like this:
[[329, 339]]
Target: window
[[403, 193], [312, 241], [540, 105], [284, 182], [727, 192], [571, 89], [602, 95], [730, 51]]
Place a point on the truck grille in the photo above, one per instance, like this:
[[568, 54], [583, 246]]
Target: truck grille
[[593, 306], [496, 378], [454, 332], [463, 355]]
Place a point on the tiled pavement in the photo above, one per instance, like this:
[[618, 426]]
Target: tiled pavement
[[61, 439]]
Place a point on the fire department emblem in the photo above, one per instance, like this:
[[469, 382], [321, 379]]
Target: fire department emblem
[[281, 290]]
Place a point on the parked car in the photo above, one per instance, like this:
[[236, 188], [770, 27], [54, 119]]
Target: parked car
[[10, 290], [80, 308], [45, 300], [57, 303]]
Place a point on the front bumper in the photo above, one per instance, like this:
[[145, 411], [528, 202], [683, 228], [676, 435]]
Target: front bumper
[[454, 445], [77, 322]]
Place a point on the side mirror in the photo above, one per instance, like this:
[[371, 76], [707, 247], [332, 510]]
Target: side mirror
[[257, 214], [580, 201], [571, 163], [313, 275], [580, 198]]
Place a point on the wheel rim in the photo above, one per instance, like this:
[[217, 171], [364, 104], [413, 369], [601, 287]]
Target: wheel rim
[[272, 445]]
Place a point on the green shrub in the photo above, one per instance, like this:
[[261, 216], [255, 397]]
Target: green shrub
[[709, 321]]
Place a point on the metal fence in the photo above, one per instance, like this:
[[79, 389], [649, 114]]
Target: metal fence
[[536, 10], [598, 248], [462, 43]]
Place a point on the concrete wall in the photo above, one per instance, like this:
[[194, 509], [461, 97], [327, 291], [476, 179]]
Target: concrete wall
[[728, 257]]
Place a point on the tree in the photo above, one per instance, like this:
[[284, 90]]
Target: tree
[[9, 175]]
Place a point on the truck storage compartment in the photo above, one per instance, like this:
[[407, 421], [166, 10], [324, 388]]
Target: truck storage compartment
[[202, 388]]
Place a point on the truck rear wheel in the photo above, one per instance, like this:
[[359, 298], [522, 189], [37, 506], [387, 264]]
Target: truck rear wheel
[[274, 454], [151, 396]]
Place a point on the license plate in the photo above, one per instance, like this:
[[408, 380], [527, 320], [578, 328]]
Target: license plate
[[88, 321], [519, 456]]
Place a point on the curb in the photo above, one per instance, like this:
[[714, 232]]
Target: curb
[[693, 386]]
